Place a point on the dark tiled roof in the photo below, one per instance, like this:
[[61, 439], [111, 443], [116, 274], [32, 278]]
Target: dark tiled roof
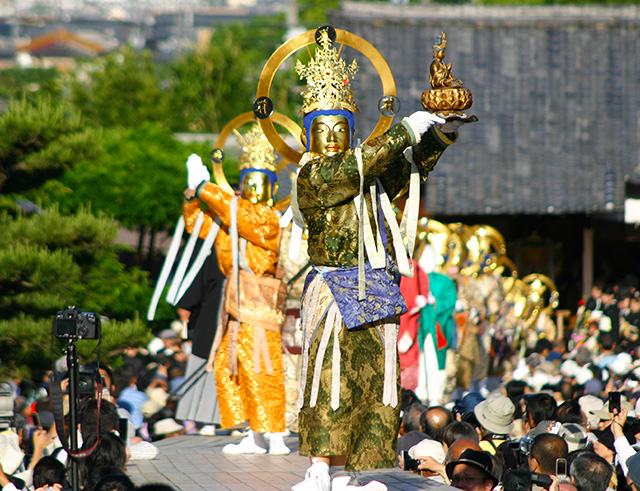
[[557, 91]]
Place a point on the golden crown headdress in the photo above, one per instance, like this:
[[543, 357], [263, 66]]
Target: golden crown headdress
[[257, 152], [328, 79]]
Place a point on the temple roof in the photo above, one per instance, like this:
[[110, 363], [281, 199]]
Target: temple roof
[[557, 91]]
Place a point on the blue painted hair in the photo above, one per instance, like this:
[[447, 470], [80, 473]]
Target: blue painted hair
[[308, 119], [273, 177]]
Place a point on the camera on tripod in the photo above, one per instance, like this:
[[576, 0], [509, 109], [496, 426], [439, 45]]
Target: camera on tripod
[[72, 324]]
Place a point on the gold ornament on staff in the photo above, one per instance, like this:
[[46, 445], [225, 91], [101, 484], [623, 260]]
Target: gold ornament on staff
[[447, 96]]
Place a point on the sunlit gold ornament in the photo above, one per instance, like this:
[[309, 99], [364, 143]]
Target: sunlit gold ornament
[[265, 160], [330, 135], [257, 152], [446, 244], [328, 79], [263, 106], [447, 95]]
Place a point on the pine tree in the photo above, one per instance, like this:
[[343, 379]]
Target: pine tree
[[49, 260]]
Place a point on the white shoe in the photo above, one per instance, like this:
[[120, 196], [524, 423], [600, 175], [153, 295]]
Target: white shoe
[[246, 446], [277, 445], [207, 430], [342, 484], [315, 479]]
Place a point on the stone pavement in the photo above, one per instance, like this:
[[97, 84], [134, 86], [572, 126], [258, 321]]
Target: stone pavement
[[195, 463]]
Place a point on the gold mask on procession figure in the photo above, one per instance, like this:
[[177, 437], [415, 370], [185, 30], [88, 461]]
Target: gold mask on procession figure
[[257, 153], [330, 135], [256, 187]]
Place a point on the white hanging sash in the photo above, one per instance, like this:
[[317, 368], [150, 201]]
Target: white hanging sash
[[203, 254], [294, 214], [403, 236], [166, 268], [184, 260]]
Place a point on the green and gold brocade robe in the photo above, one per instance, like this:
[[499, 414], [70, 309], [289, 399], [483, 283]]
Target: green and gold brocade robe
[[360, 427]]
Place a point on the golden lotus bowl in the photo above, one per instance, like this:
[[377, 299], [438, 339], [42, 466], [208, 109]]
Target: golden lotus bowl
[[447, 99]]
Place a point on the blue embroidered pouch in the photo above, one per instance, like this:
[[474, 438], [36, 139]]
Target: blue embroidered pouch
[[383, 297]]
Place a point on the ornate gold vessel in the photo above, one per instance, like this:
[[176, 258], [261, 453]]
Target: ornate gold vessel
[[447, 95]]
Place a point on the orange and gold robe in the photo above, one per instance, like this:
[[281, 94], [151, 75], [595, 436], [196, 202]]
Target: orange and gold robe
[[250, 387]]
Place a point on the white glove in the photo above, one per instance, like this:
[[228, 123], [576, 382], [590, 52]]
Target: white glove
[[421, 301], [421, 121], [404, 343], [196, 171]]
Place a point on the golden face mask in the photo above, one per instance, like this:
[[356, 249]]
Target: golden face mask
[[256, 187], [330, 135]]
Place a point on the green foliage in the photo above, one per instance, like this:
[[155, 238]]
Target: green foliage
[[313, 13], [52, 260], [121, 89], [30, 83], [39, 141], [209, 88], [25, 344], [138, 179], [34, 279]]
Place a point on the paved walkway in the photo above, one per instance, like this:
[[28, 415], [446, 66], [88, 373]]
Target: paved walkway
[[195, 463]]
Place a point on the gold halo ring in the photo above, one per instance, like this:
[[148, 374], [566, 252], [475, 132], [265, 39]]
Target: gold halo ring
[[306, 39], [240, 120]]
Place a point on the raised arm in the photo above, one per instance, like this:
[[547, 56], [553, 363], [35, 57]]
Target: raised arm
[[257, 223]]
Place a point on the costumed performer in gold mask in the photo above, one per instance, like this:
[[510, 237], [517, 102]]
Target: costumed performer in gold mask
[[349, 393], [248, 362]]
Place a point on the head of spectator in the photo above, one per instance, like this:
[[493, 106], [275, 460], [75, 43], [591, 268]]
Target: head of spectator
[[571, 412], [606, 342], [48, 472], [515, 390], [411, 418], [609, 296], [545, 450], [434, 420], [539, 407], [428, 448], [410, 433], [458, 447], [583, 355], [170, 340], [575, 436], [591, 405], [633, 475], [458, 430], [111, 479], [109, 453], [590, 472], [473, 471], [569, 389], [634, 303], [88, 418], [495, 416], [544, 347], [466, 404], [407, 397]]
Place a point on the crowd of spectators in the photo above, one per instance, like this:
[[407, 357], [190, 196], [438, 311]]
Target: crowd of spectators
[[120, 414], [566, 417]]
